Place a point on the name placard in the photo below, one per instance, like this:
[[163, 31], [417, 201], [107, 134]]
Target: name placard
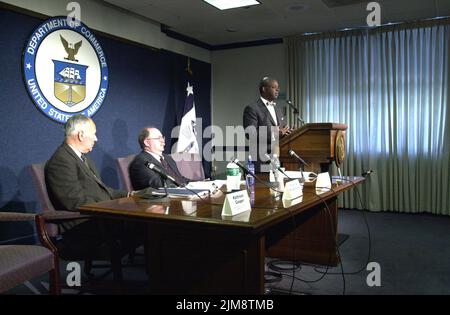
[[293, 189], [323, 183], [236, 203]]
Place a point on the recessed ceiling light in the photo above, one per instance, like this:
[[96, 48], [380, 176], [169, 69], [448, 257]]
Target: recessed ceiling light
[[231, 4]]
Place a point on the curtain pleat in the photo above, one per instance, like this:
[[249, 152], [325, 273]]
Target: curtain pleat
[[391, 87]]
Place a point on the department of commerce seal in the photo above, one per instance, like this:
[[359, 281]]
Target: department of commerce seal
[[65, 70]]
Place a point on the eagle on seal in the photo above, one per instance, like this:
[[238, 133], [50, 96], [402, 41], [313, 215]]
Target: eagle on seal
[[71, 49]]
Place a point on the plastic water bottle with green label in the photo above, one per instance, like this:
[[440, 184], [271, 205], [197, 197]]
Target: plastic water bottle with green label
[[233, 177]]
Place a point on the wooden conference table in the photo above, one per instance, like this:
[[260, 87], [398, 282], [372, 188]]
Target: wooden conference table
[[192, 249]]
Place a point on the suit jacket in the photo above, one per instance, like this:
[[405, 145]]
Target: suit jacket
[[70, 183], [142, 177], [257, 115]]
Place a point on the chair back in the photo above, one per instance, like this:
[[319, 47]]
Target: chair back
[[123, 163], [38, 177], [190, 165]]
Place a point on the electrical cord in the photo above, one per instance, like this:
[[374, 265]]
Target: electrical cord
[[282, 271], [333, 231], [368, 231]]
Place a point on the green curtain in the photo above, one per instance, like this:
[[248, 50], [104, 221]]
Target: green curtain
[[390, 85]]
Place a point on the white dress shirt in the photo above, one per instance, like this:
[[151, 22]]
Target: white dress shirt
[[156, 156], [271, 107]]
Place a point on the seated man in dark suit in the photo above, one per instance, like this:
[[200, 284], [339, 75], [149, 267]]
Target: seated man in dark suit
[[71, 177], [152, 143], [72, 180]]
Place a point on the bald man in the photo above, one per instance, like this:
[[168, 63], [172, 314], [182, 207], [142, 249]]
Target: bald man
[[152, 143], [72, 180], [71, 177]]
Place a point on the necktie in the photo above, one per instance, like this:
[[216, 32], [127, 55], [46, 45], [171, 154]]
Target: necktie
[[170, 171], [98, 180]]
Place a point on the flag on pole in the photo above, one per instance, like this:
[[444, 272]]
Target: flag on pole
[[187, 139]]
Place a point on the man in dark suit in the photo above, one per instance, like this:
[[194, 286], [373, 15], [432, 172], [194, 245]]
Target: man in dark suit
[[71, 177], [152, 143], [264, 123], [72, 180]]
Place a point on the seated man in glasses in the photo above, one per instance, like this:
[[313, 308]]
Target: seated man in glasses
[[152, 143]]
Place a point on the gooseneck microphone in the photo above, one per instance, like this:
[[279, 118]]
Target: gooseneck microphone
[[241, 166], [295, 155], [295, 111], [367, 173], [276, 167], [161, 173], [247, 171]]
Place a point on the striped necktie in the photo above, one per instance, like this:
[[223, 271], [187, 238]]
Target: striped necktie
[[170, 171]]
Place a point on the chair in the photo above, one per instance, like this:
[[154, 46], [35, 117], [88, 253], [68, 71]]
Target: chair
[[190, 165], [49, 212], [54, 218], [20, 263], [122, 164]]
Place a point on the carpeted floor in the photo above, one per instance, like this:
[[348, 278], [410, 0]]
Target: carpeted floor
[[412, 252]]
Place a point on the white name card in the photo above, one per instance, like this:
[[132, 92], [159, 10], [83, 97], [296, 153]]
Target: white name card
[[323, 183], [293, 189], [236, 203]]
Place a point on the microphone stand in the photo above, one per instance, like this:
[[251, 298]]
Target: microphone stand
[[296, 112], [246, 171], [165, 186]]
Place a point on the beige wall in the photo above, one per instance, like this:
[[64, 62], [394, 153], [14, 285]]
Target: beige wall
[[235, 77]]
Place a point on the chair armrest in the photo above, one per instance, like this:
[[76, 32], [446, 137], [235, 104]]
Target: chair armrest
[[17, 216], [40, 226], [43, 236], [60, 215]]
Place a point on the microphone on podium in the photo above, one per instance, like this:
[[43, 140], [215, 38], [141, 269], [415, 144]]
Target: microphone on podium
[[302, 121]]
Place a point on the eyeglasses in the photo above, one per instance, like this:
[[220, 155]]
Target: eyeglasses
[[161, 138]]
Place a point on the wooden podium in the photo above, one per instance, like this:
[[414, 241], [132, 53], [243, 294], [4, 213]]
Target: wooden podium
[[319, 144], [315, 238]]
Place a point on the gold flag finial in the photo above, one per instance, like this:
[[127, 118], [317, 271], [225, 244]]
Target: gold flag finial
[[188, 69]]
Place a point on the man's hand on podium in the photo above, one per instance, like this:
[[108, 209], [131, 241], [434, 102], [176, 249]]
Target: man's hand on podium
[[285, 131]]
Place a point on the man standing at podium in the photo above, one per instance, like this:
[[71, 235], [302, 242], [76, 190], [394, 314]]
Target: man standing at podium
[[264, 123]]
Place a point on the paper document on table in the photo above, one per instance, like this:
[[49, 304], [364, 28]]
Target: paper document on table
[[309, 176], [212, 186], [182, 192]]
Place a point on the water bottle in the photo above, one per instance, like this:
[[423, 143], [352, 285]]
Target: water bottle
[[233, 177], [279, 177], [276, 162], [251, 168]]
